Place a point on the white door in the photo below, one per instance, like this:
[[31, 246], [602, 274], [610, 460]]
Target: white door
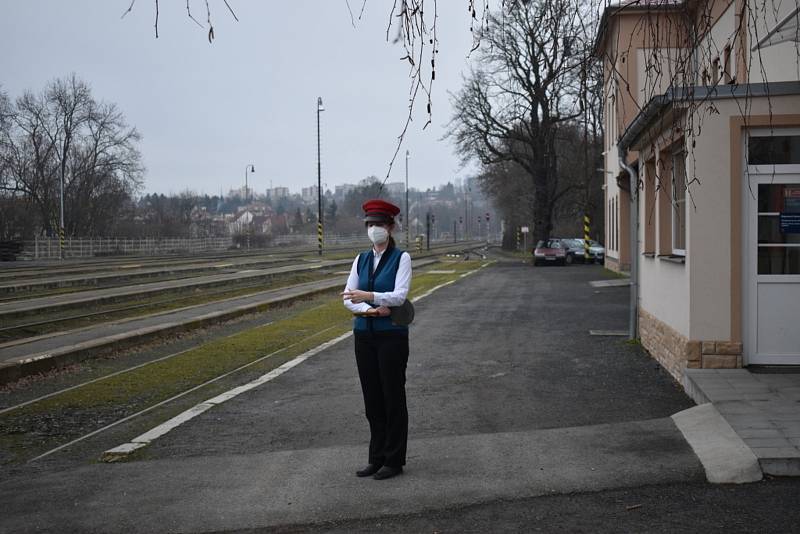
[[772, 249]]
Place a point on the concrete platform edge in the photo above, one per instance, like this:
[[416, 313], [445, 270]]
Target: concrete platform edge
[[725, 457]]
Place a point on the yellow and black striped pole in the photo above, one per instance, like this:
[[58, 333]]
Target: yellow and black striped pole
[[319, 236], [519, 231], [61, 242], [586, 228]]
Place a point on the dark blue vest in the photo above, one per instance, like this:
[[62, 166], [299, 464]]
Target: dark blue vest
[[381, 281]]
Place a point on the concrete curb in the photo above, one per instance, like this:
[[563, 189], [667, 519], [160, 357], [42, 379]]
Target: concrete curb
[[761, 408], [725, 457]]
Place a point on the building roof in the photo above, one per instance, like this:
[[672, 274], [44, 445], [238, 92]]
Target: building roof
[[630, 6], [658, 105]]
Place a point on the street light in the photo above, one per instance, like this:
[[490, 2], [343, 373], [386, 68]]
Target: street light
[[408, 216], [320, 108], [252, 168]]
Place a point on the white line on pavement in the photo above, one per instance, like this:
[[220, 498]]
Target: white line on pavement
[[154, 433]]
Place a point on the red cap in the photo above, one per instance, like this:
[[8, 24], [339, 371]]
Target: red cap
[[378, 210]]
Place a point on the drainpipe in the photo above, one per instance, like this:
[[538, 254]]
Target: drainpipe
[[633, 219]]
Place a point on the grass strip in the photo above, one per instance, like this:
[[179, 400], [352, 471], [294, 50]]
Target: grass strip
[[56, 420]]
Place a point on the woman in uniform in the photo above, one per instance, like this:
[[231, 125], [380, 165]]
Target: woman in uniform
[[380, 279]]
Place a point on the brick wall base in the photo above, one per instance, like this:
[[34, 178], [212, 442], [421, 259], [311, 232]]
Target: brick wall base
[[675, 352], [613, 264]]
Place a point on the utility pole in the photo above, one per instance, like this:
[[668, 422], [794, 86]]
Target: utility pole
[[250, 168], [319, 178], [408, 215], [428, 217], [61, 224]]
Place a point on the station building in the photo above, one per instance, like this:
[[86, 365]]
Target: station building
[[702, 176]]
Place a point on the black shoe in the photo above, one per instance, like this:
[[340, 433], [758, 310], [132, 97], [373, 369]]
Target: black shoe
[[370, 470], [387, 472]]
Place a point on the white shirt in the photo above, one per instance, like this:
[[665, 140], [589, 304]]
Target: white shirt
[[402, 284]]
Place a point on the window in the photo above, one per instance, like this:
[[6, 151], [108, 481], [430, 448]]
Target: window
[[679, 202], [613, 223], [715, 68], [727, 72], [616, 223], [774, 150], [649, 200], [779, 228]]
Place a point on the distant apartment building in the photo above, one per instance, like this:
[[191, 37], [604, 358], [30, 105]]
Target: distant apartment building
[[395, 189], [277, 193], [341, 191], [310, 194], [702, 164]]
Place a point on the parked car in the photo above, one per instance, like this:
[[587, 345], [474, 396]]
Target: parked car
[[550, 251], [597, 252], [576, 250]]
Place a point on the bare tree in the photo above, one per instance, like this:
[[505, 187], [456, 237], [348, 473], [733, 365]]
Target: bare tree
[[511, 190], [531, 83], [64, 136]]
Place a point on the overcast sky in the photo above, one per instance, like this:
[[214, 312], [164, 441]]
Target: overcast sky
[[207, 110]]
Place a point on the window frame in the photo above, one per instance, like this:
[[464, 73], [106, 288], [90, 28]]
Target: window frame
[[678, 154]]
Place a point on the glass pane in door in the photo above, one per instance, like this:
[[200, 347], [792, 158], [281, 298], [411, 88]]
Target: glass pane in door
[[779, 229]]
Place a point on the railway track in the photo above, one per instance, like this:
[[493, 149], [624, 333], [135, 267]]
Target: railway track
[[11, 306], [234, 293], [26, 284], [21, 331], [8, 272]]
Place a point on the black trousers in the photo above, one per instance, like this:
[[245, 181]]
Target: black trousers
[[382, 359]]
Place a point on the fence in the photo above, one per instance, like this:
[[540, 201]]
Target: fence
[[48, 248], [311, 240]]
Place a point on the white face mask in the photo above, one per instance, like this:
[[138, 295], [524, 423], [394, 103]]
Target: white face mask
[[377, 234]]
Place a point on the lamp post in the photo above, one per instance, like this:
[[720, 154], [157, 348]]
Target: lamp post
[[249, 167], [408, 215], [320, 109]]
